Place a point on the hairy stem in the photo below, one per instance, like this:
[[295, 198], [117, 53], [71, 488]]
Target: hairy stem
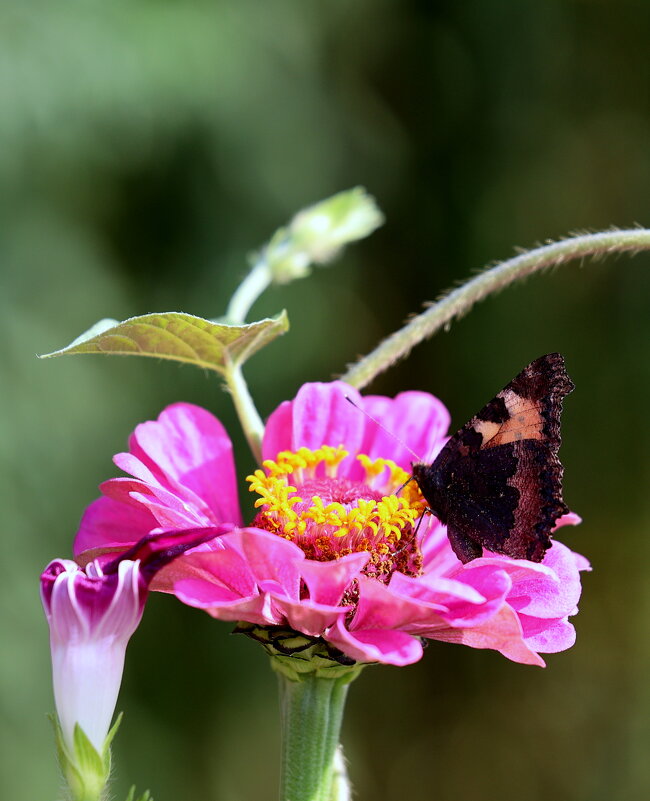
[[312, 711], [459, 301]]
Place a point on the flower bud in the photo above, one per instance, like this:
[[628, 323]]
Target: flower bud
[[92, 617], [92, 614], [318, 233]]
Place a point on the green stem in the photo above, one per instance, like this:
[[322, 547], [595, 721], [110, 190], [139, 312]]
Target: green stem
[[458, 302], [255, 283], [249, 417], [312, 711]]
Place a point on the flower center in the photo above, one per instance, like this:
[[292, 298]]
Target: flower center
[[303, 499]]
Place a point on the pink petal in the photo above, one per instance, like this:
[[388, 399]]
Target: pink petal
[[382, 607], [215, 577], [327, 581], [538, 594], [223, 585], [437, 592], [278, 432], [131, 464], [417, 422], [437, 556], [319, 415], [306, 616], [470, 599], [547, 636], [253, 609], [108, 524], [169, 518], [184, 567], [274, 562], [569, 519], [169, 510], [190, 446], [380, 645], [253, 564], [502, 632], [582, 563]]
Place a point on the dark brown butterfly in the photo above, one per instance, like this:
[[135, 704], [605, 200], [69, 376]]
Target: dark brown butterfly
[[497, 483]]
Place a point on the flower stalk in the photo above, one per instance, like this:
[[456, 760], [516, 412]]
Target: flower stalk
[[459, 301], [312, 711], [249, 417], [254, 284]]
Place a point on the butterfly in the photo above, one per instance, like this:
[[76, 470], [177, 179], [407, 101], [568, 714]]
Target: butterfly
[[497, 483]]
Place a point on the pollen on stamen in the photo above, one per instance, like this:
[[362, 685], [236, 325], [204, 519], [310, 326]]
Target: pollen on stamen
[[303, 499]]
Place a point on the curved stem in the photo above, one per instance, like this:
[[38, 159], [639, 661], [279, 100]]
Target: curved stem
[[257, 280], [458, 301], [249, 417], [312, 712]]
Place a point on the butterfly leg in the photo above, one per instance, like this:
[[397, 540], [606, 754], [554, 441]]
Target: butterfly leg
[[420, 519]]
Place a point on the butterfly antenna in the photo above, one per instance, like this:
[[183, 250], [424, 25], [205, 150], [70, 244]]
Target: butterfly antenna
[[390, 434]]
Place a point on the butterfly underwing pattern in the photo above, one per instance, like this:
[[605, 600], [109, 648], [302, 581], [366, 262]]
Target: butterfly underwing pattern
[[497, 483]]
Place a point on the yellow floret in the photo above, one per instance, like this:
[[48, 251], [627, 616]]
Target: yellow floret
[[387, 517]]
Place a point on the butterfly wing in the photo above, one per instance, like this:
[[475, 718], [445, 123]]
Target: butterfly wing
[[497, 483]]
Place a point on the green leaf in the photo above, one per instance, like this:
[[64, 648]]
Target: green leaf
[[180, 337]]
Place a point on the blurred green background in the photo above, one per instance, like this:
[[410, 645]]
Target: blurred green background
[[145, 148]]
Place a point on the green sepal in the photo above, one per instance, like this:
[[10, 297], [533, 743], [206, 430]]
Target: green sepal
[[111, 735], [146, 796], [93, 768], [180, 337], [85, 771], [296, 656]]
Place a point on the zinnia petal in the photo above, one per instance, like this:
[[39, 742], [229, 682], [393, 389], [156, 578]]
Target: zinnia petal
[[413, 421], [547, 636], [319, 415], [190, 446], [376, 645], [107, 524], [184, 477], [502, 632]]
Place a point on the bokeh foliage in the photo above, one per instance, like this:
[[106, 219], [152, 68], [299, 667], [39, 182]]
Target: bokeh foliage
[[146, 147]]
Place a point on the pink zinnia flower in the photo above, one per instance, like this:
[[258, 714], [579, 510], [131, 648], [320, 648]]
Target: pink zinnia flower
[[92, 614], [333, 551]]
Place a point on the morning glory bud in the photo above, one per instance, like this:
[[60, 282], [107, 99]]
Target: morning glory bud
[[92, 614]]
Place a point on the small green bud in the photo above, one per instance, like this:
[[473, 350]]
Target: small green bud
[[317, 234], [323, 229]]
